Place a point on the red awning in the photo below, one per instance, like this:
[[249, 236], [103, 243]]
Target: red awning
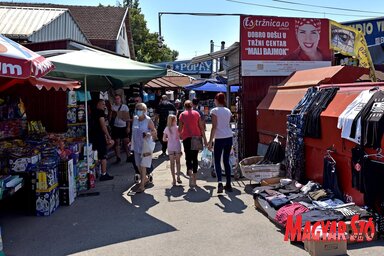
[[45, 82], [20, 62]]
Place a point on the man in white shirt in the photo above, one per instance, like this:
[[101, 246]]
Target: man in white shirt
[[120, 128]]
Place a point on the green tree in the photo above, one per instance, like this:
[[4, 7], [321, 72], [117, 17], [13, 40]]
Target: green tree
[[144, 42]]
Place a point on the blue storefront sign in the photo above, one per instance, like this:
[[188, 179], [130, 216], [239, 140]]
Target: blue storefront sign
[[373, 29], [187, 68]]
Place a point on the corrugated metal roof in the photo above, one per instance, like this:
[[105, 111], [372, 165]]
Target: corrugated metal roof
[[97, 22], [24, 21], [326, 75], [161, 83]]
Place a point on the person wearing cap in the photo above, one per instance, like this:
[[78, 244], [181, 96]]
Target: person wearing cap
[[162, 112]]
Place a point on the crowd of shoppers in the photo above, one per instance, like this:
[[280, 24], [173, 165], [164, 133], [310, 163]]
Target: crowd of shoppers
[[137, 133]]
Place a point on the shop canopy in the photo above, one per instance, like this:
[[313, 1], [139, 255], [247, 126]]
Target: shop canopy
[[16, 61], [46, 82], [161, 83], [211, 85], [103, 70]]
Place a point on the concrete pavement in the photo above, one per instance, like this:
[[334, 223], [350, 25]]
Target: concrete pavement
[[164, 220]]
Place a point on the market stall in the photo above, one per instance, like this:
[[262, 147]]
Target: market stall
[[330, 128], [206, 90], [36, 154], [101, 71]]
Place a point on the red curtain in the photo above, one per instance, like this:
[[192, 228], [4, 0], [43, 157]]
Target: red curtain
[[50, 107]]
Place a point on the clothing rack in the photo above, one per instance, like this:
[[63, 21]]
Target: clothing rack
[[377, 154], [277, 136], [329, 151]]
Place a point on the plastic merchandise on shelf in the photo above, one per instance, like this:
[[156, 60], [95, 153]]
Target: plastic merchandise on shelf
[[72, 99], [67, 183], [76, 131], [47, 202], [23, 159], [82, 177], [80, 114], [71, 115], [36, 127], [47, 175], [10, 128]]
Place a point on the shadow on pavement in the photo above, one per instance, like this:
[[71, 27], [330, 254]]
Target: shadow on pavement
[[91, 222], [232, 204], [199, 195]]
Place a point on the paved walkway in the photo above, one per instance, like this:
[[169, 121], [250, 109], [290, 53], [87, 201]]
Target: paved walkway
[[164, 220]]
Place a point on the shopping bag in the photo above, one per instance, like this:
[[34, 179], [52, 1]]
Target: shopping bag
[[206, 159], [148, 147], [146, 155]]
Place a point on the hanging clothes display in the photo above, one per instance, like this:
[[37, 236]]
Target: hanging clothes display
[[275, 153], [294, 151], [375, 122], [372, 121], [357, 168], [319, 103], [330, 179], [346, 118], [373, 172]]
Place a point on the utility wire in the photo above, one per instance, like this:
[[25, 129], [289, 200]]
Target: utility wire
[[326, 7], [296, 10]]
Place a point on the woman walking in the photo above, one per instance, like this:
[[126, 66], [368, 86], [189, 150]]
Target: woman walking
[[222, 133], [142, 129], [190, 127], [171, 135]]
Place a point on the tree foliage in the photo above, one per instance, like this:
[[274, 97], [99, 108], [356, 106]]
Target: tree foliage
[[145, 42]]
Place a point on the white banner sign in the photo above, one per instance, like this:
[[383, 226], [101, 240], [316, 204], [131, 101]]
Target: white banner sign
[[278, 67]]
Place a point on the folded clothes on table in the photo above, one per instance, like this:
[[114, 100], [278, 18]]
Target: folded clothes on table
[[320, 215], [328, 204], [289, 210]]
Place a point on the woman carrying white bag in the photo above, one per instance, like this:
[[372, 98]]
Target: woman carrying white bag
[[142, 143]]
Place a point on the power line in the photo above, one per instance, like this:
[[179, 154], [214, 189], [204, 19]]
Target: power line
[[326, 7], [296, 10]]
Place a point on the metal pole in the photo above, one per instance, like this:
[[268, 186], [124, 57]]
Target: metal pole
[[160, 23], [86, 122]]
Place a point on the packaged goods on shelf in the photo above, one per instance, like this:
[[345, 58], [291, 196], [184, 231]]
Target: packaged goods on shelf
[[47, 202], [67, 183], [47, 175]]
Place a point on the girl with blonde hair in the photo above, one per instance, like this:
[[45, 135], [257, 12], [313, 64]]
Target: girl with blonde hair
[[172, 136]]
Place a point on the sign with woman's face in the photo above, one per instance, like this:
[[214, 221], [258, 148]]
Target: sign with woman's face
[[308, 37], [273, 46]]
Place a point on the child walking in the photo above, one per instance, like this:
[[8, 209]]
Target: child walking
[[172, 136]]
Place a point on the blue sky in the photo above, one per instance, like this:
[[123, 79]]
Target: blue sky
[[190, 35]]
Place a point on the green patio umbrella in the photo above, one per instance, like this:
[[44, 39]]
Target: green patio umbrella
[[101, 71]]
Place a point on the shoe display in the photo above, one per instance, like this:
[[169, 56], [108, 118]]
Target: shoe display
[[220, 188], [105, 177]]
